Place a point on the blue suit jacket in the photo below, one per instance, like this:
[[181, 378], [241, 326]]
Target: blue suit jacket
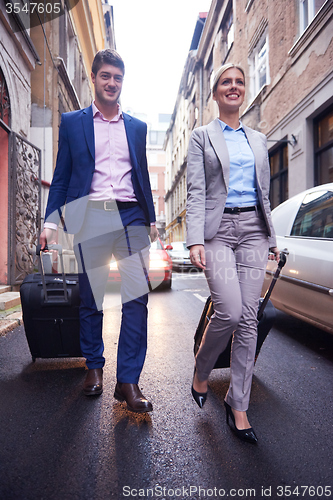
[[76, 164]]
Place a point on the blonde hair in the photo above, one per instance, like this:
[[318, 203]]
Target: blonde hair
[[221, 70]]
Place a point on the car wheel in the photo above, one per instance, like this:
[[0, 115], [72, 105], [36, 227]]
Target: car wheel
[[168, 284]]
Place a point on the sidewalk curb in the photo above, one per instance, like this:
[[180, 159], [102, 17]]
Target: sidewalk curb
[[8, 323]]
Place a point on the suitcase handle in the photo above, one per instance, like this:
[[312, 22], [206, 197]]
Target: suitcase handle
[[58, 248], [53, 246], [281, 263]]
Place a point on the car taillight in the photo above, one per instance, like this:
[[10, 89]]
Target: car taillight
[[158, 263]]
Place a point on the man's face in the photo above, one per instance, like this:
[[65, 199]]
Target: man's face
[[108, 83]]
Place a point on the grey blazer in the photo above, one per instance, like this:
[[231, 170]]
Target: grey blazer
[[208, 170]]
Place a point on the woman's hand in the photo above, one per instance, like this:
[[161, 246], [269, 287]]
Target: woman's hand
[[274, 254], [197, 256]]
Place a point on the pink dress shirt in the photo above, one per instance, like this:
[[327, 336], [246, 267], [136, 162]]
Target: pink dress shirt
[[112, 176]]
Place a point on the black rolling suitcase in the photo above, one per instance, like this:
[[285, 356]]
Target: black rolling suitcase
[[266, 316], [50, 306]]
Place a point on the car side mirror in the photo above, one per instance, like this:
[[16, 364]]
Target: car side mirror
[[169, 247]]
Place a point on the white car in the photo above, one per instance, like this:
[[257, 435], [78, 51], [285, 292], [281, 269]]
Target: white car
[[180, 256], [304, 226]]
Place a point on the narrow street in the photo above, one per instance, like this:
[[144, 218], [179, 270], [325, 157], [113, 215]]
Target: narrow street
[[55, 443]]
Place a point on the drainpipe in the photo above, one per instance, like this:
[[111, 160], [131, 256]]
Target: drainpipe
[[201, 94]]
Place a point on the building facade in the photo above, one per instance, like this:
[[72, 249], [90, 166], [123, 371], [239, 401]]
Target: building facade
[[62, 83], [19, 159], [184, 118], [156, 158], [45, 66], [157, 125], [286, 50]]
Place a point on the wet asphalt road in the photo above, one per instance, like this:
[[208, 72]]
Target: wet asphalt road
[[55, 443]]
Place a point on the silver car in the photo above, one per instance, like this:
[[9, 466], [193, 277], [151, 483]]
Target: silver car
[[304, 226], [180, 255]]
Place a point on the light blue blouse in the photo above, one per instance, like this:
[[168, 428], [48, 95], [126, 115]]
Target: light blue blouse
[[242, 181]]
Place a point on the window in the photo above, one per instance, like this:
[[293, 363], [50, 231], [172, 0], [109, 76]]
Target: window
[[279, 176], [153, 137], [226, 33], [324, 148], [154, 181], [152, 159], [71, 63], [230, 30], [315, 216], [307, 11], [67, 44], [259, 69], [248, 5], [209, 75], [155, 202]]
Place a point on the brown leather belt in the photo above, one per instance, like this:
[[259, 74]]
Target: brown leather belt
[[112, 205], [238, 210]]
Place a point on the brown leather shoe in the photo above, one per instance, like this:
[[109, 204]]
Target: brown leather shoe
[[93, 385], [133, 396]]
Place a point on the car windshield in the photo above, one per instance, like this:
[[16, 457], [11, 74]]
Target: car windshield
[[156, 245], [179, 246]]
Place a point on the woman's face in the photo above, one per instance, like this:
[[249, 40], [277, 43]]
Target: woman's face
[[230, 90]]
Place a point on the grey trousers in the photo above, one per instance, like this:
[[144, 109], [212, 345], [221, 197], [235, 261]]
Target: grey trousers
[[235, 267]]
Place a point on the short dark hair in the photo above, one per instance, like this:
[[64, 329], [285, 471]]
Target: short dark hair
[[107, 56]]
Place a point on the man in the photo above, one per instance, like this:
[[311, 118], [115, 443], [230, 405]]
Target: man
[[101, 176]]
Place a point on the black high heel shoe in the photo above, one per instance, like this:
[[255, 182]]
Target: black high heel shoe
[[199, 397], [243, 434]]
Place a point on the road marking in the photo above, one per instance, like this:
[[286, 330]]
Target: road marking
[[200, 297], [189, 276]]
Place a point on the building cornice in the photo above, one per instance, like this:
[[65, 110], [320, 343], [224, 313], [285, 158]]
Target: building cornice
[[214, 19]]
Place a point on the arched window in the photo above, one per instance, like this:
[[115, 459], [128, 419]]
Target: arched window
[[4, 100]]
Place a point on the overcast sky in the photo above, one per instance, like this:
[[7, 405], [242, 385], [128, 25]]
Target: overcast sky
[[153, 37]]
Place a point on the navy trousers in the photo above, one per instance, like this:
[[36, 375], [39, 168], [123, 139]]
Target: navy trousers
[[123, 234]]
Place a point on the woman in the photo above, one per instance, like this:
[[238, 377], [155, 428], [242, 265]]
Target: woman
[[229, 233]]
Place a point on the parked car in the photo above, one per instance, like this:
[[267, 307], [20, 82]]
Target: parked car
[[304, 226], [160, 267], [180, 255]]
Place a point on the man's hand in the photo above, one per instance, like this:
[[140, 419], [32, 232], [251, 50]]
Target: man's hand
[[47, 236], [197, 256], [154, 234]]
